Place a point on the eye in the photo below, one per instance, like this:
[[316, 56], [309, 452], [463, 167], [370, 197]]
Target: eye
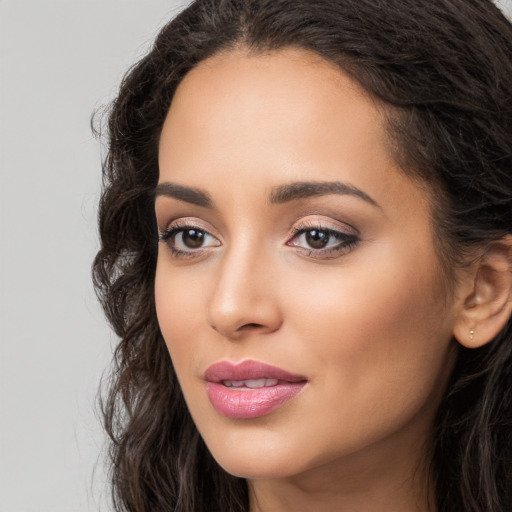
[[318, 239], [321, 242], [184, 240]]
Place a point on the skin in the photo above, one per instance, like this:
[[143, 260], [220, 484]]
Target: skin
[[370, 325]]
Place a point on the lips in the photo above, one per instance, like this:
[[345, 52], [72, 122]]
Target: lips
[[250, 389]]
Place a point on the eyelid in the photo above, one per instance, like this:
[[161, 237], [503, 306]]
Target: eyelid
[[188, 222], [322, 223], [347, 239], [181, 225]]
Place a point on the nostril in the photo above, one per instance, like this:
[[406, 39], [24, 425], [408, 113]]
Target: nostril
[[245, 326], [251, 326]]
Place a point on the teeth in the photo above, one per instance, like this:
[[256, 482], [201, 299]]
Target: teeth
[[250, 383], [260, 383]]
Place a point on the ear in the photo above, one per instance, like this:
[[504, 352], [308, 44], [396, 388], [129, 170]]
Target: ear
[[486, 304]]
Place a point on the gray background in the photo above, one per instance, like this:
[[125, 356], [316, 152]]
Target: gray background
[[59, 61]]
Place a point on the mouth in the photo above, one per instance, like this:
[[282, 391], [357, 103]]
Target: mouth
[[250, 389], [251, 383]]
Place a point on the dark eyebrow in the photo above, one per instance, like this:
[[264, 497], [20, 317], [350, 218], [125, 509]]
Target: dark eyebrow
[[279, 195], [189, 195], [304, 189]]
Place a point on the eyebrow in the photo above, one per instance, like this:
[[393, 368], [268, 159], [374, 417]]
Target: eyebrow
[[305, 189], [279, 195], [188, 194]]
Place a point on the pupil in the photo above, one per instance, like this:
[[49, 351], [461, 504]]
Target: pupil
[[193, 238], [317, 239]]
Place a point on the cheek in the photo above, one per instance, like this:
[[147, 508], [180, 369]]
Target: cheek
[[180, 307], [386, 296], [377, 330]]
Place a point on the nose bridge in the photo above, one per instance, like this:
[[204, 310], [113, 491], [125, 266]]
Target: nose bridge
[[243, 298]]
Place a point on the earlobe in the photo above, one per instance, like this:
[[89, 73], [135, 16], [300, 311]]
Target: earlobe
[[487, 307]]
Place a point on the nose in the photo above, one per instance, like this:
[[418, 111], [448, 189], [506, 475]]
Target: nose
[[244, 301]]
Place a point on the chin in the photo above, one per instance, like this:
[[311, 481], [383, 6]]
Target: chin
[[257, 468], [261, 459]]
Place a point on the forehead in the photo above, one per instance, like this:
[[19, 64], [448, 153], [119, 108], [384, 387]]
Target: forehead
[[283, 76], [234, 107], [286, 81]]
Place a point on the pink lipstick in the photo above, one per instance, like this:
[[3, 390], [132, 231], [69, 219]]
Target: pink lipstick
[[250, 389]]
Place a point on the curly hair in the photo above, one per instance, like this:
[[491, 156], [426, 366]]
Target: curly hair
[[444, 70]]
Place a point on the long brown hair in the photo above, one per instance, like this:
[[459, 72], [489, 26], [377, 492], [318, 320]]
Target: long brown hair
[[444, 68]]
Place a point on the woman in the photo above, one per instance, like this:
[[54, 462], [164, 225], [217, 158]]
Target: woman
[[306, 252]]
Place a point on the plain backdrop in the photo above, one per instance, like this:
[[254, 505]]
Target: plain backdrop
[[59, 61]]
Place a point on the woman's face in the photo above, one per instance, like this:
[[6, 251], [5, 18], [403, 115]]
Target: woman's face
[[297, 285]]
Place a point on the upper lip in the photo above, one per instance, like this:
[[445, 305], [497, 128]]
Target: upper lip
[[248, 370]]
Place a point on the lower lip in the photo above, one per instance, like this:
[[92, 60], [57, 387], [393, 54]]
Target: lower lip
[[247, 403]]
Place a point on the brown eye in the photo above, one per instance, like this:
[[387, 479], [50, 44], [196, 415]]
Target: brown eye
[[317, 239], [192, 238], [183, 239], [323, 243]]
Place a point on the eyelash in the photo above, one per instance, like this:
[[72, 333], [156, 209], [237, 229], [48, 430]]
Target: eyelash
[[181, 227], [346, 243]]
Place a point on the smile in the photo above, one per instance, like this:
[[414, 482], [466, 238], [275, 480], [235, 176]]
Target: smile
[[250, 383], [250, 389]]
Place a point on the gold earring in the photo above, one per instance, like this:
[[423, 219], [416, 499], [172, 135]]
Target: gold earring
[[471, 334]]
